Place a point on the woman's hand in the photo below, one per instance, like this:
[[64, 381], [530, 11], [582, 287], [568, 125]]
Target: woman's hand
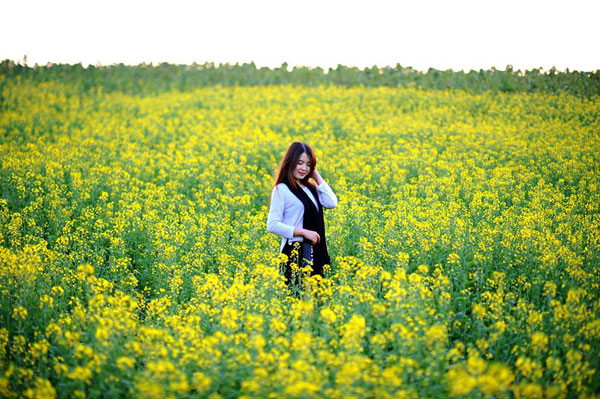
[[315, 175], [312, 236]]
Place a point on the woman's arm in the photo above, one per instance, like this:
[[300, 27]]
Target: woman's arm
[[317, 177], [274, 221], [310, 235], [326, 195]]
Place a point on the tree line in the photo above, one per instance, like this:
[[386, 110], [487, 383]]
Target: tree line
[[145, 79]]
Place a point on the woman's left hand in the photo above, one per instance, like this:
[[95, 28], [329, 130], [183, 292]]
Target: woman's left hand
[[317, 176]]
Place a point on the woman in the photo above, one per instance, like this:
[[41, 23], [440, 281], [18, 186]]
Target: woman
[[296, 212]]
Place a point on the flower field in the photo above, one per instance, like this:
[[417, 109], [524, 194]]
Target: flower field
[[135, 261]]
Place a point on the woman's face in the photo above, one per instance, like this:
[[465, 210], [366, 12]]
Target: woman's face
[[302, 167]]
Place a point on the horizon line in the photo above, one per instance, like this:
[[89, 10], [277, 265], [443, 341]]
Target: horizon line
[[216, 64]]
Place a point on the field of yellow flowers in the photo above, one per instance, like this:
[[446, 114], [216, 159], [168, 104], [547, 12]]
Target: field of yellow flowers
[[135, 261]]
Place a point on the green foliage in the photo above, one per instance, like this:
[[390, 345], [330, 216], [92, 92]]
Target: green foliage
[[148, 79]]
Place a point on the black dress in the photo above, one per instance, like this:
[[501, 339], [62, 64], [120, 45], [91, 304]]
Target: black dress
[[313, 220]]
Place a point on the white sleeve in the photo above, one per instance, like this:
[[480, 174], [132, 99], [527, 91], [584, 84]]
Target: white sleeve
[[326, 195], [274, 221]]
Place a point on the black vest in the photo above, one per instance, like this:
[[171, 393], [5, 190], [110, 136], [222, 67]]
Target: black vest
[[313, 220]]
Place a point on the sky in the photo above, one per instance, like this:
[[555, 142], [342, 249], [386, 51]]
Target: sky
[[457, 35]]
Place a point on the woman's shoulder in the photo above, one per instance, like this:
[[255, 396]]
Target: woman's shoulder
[[281, 187]]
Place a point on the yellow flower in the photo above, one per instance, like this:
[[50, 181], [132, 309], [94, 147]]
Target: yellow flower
[[539, 341], [3, 341], [353, 332], [150, 389], [46, 300], [125, 362], [278, 326], [201, 382], [42, 389], [81, 373], [301, 341], [328, 315], [86, 269], [301, 389], [476, 365], [436, 335], [229, 317], [479, 311], [497, 380], [423, 269], [19, 313], [254, 323], [528, 390], [461, 382]]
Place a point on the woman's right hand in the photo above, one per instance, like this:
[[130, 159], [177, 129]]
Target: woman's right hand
[[312, 236]]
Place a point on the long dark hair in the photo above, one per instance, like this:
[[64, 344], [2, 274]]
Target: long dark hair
[[285, 172]]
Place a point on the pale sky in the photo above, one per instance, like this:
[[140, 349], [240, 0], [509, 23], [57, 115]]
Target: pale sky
[[458, 35]]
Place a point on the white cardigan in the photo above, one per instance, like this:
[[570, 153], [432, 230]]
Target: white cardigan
[[287, 211]]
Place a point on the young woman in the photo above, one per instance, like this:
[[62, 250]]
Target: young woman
[[296, 212]]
